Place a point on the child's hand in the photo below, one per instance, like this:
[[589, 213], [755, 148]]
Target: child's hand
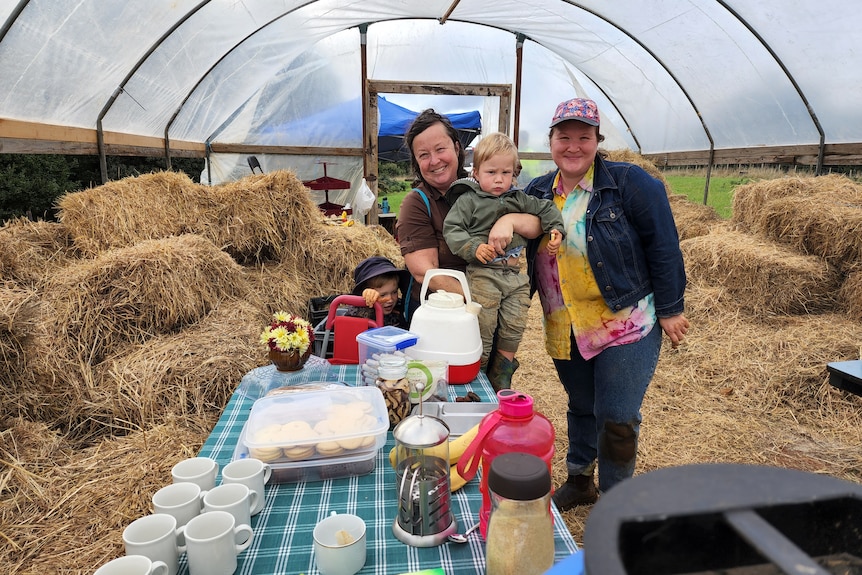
[[485, 253], [371, 296], [554, 242]]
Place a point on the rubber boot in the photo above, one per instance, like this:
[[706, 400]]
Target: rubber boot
[[500, 372], [577, 490]]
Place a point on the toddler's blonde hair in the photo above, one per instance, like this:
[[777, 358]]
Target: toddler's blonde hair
[[493, 144]]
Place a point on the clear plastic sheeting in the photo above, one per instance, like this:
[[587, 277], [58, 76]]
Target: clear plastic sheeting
[[668, 75]]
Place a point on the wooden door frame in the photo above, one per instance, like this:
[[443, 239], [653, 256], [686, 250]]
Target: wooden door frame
[[371, 123]]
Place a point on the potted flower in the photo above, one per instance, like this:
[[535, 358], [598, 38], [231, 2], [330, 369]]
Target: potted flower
[[288, 338]]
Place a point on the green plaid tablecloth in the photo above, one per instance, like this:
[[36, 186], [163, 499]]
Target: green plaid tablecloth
[[282, 531]]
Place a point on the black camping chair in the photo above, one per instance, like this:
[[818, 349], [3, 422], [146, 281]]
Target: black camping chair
[[253, 163]]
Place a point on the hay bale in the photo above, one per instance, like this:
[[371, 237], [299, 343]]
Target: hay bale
[[824, 224], [762, 364], [29, 250], [19, 309], [323, 265], [692, 219], [758, 276], [332, 256], [632, 157], [283, 287], [125, 212], [69, 517], [262, 217], [257, 218], [131, 294], [749, 200], [850, 294], [188, 373]]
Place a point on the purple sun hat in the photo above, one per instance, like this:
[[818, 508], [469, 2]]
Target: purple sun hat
[[580, 109]]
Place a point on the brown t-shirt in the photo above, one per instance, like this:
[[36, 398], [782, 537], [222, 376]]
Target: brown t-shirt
[[416, 231]]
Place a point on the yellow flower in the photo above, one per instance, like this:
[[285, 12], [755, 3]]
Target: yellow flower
[[287, 333]]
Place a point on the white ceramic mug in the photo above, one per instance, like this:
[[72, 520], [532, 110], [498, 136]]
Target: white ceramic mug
[[253, 473], [199, 470], [182, 500], [339, 544], [157, 537], [133, 565], [213, 541], [235, 498]]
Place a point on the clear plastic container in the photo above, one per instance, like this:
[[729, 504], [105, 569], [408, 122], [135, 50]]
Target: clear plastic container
[[387, 339], [316, 425]]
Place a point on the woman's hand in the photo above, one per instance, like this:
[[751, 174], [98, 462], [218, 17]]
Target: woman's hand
[[675, 327], [527, 225], [500, 235]]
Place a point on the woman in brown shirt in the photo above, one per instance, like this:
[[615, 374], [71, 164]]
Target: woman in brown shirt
[[437, 158]]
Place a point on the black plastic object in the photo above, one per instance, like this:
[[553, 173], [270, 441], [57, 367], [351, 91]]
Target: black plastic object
[[725, 519], [520, 476], [846, 375]]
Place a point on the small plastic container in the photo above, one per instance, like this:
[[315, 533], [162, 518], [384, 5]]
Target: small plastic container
[[386, 339], [317, 426]]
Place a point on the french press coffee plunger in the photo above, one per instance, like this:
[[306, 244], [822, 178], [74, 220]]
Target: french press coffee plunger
[[425, 517]]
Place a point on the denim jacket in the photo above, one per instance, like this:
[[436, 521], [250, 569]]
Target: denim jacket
[[632, 242]]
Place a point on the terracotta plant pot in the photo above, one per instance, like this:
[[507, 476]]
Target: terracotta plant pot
[[288, 360]]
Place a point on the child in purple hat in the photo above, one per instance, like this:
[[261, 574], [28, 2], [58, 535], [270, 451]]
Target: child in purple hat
[[378, 280]]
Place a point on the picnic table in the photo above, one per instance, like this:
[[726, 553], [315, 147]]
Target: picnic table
[[283, 530]]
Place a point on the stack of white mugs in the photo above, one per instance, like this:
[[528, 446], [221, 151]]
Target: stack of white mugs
[[210, 524]]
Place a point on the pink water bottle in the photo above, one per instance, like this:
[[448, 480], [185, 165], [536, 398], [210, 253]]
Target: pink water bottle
[[512, 427]]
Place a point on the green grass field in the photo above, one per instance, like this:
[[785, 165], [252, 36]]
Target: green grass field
[[690, 182], [720, 191]]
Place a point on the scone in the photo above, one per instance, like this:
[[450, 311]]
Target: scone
[[269, 434], [296, 440]]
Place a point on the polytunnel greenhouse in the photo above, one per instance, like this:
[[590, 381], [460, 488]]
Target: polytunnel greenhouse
[[680, 82], [141, 316]]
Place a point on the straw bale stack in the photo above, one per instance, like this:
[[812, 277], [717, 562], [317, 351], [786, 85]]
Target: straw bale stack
[[93, 309], [64, 510], [257, 218], [824, 224], [632, 157], [850, 295], [692, 219], [750, 201], [187, 373], [129, 295], [760, 277], [28, 250]]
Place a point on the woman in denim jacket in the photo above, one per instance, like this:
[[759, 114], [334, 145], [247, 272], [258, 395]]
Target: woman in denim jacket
[[618, 275]]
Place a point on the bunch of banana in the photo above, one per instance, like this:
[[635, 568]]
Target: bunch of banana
[[456, 449]]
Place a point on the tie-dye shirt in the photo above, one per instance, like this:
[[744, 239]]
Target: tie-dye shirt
[[571, 299]]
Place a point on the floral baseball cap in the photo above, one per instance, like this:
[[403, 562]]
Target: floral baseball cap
[[579, 109]]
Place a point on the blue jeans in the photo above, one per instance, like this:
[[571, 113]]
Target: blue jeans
[[605, 397]]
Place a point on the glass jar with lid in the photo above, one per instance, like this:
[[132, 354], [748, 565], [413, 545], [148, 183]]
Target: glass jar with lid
[[393, 383], [520, 537]]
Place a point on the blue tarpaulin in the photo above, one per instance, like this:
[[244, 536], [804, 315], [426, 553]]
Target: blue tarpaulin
[[342, 125]]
